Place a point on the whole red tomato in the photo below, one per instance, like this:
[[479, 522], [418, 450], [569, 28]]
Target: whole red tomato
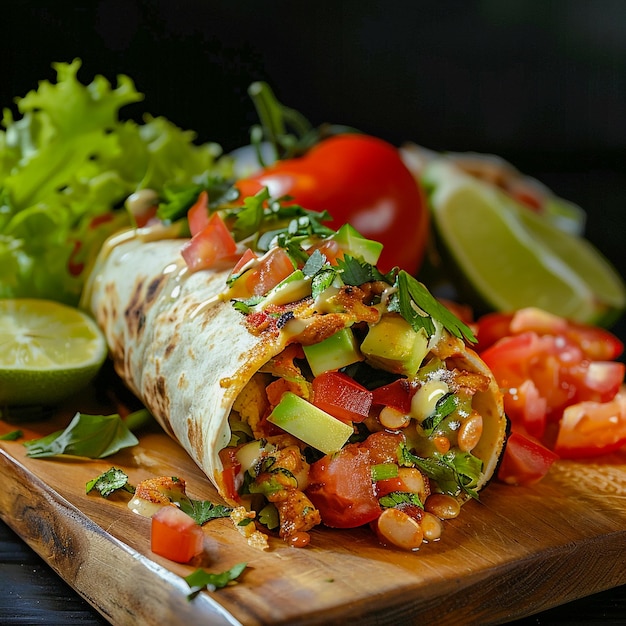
[[360, 180]]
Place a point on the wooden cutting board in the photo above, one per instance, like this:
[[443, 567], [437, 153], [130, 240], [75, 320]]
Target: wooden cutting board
[[517, 552]]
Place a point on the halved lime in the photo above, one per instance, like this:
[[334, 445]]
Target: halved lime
[[48, 351], [507, 258]]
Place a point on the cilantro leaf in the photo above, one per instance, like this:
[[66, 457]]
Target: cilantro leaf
[[178, 197], [355, 272], [314, 264], [454, 472], [323, 280], [411, 293], [91, 436], [112, 480], [203, 510], [12, 436], [444, 407], [201, 579], [395, 498]]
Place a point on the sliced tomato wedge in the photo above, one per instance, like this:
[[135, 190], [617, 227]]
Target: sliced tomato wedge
[[525, 461], [210, 245], [248, 255], [271, 269], [198, 214], [175, 535], [597, 343], [592, 428], [341, 396]]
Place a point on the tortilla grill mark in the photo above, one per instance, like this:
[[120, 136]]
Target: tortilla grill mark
[[156, 390], [154, 288], [134, 313]]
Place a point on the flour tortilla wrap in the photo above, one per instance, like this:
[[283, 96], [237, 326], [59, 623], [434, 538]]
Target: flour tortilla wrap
[[187, 354]]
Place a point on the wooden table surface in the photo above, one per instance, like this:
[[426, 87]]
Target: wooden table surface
[[32, 593], [524, 550]]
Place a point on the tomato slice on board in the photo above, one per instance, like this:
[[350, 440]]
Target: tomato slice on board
[[341, 396], [175, 535], [592, 428], [524, 461], [341, 487], [596, 343]]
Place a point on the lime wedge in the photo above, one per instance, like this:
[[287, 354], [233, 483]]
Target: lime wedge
[[504, 257], [48, 351]]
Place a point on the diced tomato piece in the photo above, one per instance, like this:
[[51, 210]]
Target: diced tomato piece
[[245, 258], [213, 243], [537, 320], [341, 487], [175, 535], [383, 446], [490, 328], [397, 395], [524, 461], [341, 396], [526, 408], [198, 214], [597, 343], [592, 428], [272, 268], [330, 249], [231, 468], [602, 380]]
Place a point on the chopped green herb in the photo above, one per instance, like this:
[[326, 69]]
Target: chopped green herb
[[91, 436], [203, 510], [382, 471], [322, 280], [393, 499], [201, 579], [12, 436], [314, 264], [411, 294], [454, 472], [355, 272], [446, 405], [112, 480]]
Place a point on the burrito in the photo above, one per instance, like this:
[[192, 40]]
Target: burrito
[[309, 387]]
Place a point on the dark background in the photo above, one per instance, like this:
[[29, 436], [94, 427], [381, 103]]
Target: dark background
[[539, 82]]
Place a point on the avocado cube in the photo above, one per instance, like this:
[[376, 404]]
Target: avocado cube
[[291, 289], [310, 424], [333, 353], [392, 345], [352, 242]]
